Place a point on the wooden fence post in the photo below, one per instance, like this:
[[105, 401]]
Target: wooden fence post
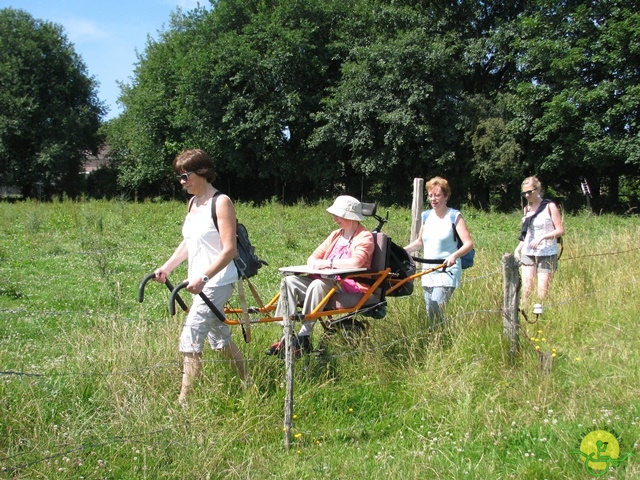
[[546, 361], [416, 207], [288, 334], [511, 299]]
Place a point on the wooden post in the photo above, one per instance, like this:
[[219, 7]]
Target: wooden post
[[416, 207], [288, 334], [546, 361], [510, 322]]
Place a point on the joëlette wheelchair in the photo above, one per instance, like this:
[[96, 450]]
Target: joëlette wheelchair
[[391, 274]]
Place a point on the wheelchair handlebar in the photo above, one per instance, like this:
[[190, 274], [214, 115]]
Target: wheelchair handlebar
[[169, 285], [439, 261], [381, 221], [142, 285], [203, 296]]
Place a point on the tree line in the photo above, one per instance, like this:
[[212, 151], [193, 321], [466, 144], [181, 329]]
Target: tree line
[[307, 98]]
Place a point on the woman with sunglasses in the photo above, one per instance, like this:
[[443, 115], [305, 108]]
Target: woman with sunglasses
[[209, 252], [538, 247]]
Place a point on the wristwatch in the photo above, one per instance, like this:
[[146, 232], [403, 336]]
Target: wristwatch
[[205, 279]]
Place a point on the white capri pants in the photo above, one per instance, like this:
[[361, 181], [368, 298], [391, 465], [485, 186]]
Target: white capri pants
[[203, 324]]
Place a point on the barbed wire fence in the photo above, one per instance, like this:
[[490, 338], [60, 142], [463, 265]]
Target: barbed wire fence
[[152, 435]]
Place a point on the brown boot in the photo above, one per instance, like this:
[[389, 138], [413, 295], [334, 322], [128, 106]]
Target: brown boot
[[191, 368]]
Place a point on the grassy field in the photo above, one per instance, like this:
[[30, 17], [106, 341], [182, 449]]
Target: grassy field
[[89, 377]]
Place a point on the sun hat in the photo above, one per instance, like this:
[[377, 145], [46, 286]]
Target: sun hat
[[346, 207]]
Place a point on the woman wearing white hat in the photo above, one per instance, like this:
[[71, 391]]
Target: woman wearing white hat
[[350, 246]]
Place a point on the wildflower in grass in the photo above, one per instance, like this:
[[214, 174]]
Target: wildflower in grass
[[540, 342], [297, 435]]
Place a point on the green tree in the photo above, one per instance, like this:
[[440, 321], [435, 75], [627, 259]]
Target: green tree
[[241, 82], [49, 111], [397, 103], [580, 67], [318, 96]]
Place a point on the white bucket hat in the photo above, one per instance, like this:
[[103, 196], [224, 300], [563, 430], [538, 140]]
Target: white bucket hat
[[346, 207]]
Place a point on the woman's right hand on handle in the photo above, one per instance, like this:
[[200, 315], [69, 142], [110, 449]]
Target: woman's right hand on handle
[[160, 275]]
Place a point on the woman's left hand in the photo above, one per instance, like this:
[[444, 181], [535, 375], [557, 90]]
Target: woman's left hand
[[450, 261], [535, 243]]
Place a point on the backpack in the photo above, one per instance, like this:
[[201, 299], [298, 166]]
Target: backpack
[[402, 266], [466, 261], [247, 262]]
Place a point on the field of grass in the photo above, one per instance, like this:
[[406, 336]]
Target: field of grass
[[89, 377]]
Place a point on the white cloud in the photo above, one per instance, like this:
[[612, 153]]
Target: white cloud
[[81, 30]]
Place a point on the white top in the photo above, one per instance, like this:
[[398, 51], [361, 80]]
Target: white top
[[438, 242], [204, 245], [540, 226]]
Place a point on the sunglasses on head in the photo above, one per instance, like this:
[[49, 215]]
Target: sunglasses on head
[[184, 177], [528, 192]]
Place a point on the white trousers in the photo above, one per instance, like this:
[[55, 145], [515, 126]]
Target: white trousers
[[307, 291]]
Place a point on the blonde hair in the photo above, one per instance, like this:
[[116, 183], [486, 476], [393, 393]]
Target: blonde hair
[[532, 181], [439, 182]]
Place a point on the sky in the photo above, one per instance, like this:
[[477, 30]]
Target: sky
[[106, 34]]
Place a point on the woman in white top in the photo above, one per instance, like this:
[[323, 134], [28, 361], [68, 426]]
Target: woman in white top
[[209, 253], [538, 247], [437, 238]]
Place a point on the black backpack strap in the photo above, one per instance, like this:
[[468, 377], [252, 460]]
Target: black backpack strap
[[214, 215], [527, 221], [453, 216]]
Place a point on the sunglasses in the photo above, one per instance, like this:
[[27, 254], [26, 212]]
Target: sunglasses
[[528, 192], [184, 177]]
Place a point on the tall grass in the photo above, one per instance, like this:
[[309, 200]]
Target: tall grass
[[89, 377]]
